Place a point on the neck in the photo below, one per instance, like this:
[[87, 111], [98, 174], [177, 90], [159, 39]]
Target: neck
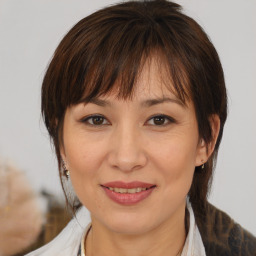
[[167, 239]]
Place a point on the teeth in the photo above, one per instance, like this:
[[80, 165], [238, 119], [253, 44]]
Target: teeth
[[127, 191]]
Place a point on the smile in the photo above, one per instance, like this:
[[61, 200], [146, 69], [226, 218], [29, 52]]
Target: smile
[[128, 193]]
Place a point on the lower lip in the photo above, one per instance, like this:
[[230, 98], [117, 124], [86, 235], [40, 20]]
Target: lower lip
[[126, 198]]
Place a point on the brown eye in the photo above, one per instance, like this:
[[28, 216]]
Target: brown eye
[[159, 120], [95, 120]]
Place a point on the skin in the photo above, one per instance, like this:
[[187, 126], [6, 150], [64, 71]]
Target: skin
[[128, 144]]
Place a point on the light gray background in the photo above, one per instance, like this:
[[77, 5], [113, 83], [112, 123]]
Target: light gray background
[[29, 33]]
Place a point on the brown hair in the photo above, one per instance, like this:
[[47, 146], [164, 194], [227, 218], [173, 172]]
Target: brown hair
[[108, 48]]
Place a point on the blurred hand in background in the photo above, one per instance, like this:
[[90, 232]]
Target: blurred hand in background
[[21, 217]]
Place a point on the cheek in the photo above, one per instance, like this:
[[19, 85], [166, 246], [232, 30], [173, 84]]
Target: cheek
[[82, 154], [175, 162], [84, 162], [175, 153], [84, 159]]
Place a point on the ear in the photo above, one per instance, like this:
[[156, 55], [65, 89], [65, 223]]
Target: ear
[[61, 147], [63, 158], [204, 150], [63, 155]]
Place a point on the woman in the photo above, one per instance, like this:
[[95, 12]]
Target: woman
[[135, 102]]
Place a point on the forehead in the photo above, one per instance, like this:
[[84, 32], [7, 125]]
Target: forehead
[[153, 77], [153, 81]]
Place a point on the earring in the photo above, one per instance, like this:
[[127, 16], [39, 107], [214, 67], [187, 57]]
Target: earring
[[66, 173], [202, 166], [65, 170]]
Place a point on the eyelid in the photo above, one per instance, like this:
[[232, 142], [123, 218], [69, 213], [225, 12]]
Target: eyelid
[[169, 118], [86, 118]]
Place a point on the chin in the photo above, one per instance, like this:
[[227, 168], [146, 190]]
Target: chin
[[129, 229], [129, 224]]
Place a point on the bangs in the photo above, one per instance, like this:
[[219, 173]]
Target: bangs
[[111, 58]]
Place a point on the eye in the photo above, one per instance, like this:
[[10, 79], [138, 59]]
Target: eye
[[96, 120], [160, 120]]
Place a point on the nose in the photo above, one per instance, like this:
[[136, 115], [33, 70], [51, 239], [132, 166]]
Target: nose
[[127, 152]]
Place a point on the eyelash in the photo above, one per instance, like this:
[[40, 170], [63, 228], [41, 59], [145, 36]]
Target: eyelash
[[86, 120], [167, 118]]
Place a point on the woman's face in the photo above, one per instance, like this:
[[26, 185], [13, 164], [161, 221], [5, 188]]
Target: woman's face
[[131, 162]]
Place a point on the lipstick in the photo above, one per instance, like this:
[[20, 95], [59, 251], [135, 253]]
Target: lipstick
[[128, 193], [133, 184]]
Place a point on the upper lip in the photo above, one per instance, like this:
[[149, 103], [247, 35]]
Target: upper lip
[[127, 185]]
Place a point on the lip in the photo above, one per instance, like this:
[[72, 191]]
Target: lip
[[127, 185], [127, 198]]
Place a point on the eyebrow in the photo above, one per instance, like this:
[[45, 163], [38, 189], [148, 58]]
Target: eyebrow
[[153, 102], [145, 103]]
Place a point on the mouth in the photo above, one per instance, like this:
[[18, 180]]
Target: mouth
[[128, 193], [128, 190]]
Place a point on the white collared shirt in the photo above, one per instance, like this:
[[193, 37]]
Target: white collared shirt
[[68, 244]]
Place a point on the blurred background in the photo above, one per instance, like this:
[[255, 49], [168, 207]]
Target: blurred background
[[31, 30]]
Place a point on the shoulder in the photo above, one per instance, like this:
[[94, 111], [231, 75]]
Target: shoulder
[[68, 241], [221, 235]]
